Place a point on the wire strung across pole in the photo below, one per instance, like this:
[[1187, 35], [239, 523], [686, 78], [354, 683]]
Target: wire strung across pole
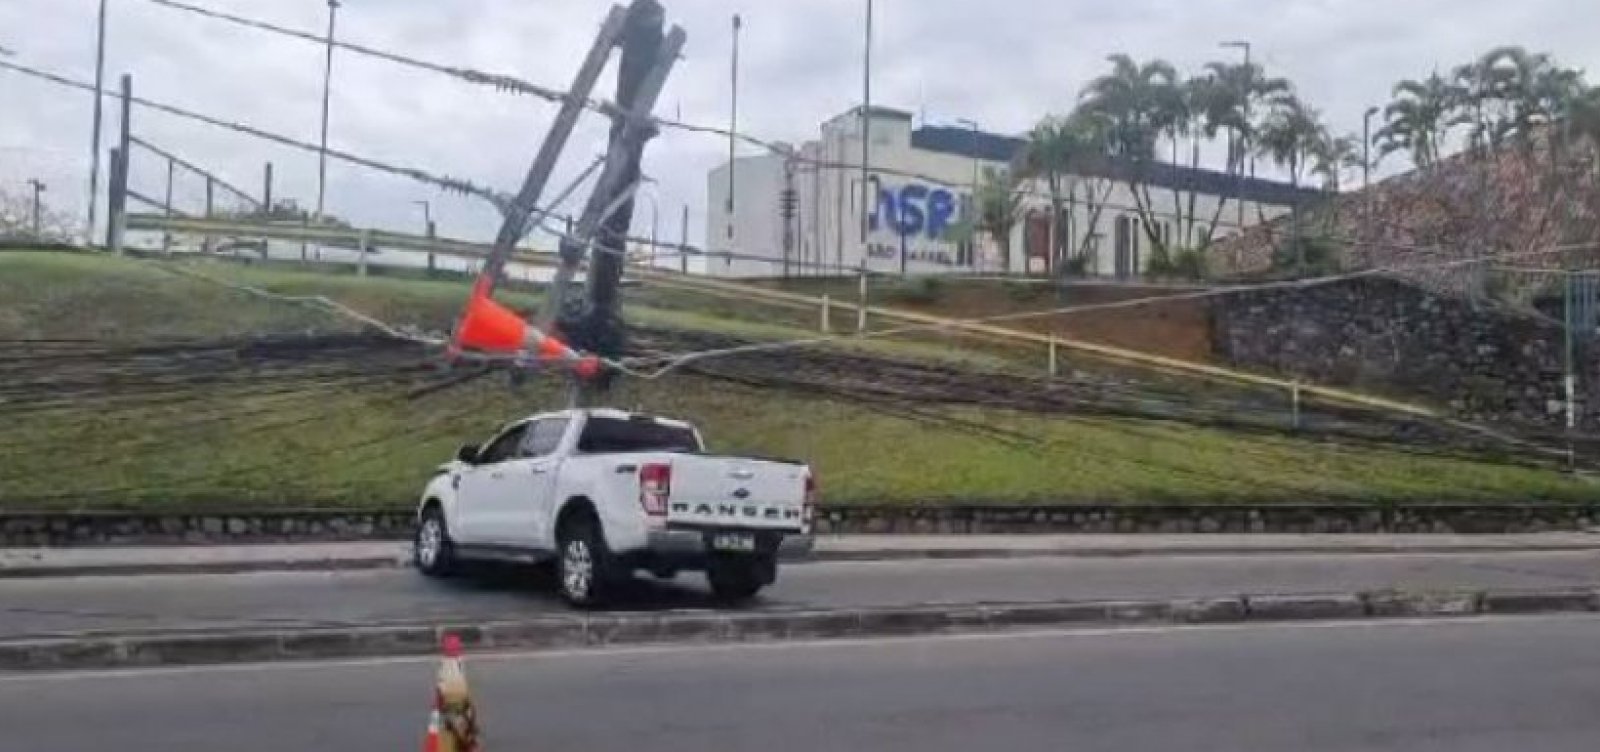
[[455, 185]]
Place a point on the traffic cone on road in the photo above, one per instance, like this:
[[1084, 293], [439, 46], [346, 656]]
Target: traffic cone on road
[[453, 724]]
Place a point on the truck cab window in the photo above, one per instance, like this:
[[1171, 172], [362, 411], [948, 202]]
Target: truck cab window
[[544, 437], [504, 447], [602, 435]]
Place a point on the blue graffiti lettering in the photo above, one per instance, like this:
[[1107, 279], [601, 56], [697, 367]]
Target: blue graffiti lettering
[[941, 207], [914, 209], [912, 217]]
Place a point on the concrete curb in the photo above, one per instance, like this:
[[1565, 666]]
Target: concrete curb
[[100, 651], [137, 569]]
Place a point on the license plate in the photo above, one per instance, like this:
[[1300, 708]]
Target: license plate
[[733, 542]]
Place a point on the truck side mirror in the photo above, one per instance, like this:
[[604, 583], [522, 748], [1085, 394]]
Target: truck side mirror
[[468, 453]]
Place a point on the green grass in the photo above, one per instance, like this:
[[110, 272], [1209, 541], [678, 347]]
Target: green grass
[[362, 445]]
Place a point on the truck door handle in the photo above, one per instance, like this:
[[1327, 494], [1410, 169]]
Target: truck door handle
[[540, 470], [497, 475]]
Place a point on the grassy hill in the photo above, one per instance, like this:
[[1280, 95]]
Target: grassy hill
[[123, 384]]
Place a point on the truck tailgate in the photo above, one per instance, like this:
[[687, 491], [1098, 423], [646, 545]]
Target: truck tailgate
[[737, 492]]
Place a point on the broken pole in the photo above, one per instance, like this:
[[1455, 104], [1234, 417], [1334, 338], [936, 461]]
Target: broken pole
[[516, 217], [630, 129]]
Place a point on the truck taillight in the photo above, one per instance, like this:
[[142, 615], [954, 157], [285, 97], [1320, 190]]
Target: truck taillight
[[655, 486], [808, 511]]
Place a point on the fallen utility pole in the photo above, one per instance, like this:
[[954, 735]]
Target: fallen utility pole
[[518, 215], [630, 130]]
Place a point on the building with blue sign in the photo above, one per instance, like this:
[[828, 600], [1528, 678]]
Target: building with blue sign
[[801, 212]]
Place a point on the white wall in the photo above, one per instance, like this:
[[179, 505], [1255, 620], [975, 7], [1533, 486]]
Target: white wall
[[827, 231]]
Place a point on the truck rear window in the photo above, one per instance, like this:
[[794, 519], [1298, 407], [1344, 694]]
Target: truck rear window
[[611, 435]]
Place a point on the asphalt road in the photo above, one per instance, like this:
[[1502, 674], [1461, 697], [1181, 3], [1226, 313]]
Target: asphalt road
[[1459, 685], [64, 605]]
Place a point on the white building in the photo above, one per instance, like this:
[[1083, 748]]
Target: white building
[[801, 214]]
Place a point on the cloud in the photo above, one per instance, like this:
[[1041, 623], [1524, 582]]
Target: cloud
[[1003, 63]]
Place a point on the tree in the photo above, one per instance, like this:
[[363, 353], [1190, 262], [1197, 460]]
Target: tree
[[1418, 119], [1228, 98], [999, 204], [1289, 136], [1584, 113], [1140, 103], [1331, 155], [1054, 148]]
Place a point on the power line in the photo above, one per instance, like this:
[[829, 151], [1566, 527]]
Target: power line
[[447, 183]]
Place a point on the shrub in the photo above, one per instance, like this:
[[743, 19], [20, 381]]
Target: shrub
[[916, 290]]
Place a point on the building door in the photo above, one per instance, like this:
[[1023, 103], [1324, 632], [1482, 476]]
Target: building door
[[1122, 242]]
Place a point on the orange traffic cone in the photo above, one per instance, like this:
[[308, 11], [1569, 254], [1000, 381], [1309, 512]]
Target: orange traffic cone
[[431, 742], [488, 326], [453, 724], [491, 327]]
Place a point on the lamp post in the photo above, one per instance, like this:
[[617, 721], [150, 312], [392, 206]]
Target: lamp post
[[99, 111], [972, 200], [733, 117], [1244, 99], [38, 188], [866, 129], [327, 91]]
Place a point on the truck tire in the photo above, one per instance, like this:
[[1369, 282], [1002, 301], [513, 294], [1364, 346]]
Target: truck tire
[[432, 549], [736, 579], [585, 574]]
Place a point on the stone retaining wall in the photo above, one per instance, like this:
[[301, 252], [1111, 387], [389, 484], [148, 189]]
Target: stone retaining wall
[[129, 528], [1288, 518], [22, 529], [1385, 335]]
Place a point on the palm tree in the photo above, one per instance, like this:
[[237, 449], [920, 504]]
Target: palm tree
[[1229, 100], [1510, 94], [1418, 120], [999, 205], [1289, 136], [1140, 103], [1054, 147], [1331, 155]]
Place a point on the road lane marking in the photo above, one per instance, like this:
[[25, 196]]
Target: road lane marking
[[516, 656]]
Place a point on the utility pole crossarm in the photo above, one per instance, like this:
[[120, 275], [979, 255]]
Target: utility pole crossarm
[[520, 211]]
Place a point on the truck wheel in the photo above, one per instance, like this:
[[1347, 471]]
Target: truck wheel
[[434, 553], [735, 580], [584, 567]]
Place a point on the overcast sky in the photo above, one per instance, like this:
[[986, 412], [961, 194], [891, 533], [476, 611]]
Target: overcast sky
[[1003, 63]]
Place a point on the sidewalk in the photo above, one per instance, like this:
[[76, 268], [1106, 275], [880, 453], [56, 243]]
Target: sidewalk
[[61, 562]]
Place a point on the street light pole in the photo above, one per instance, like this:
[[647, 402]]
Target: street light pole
[[733, 118], [38, 188], [866, 132], [1244, 99], [99, 112], [327, 92]]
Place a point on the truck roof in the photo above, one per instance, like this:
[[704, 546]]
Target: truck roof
[[609, 412]]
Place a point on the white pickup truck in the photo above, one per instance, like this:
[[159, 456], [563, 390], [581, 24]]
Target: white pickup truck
[[606, 493]]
